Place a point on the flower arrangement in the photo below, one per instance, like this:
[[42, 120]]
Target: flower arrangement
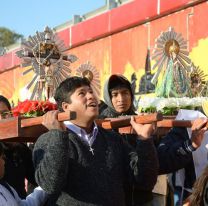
[[170, 106], [33, 108]]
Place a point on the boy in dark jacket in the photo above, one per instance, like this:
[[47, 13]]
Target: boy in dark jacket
[[79, 163], [174, 151]]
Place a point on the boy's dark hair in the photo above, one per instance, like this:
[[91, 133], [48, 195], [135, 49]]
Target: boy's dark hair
[[119, 82], [5, 101], [67, 88]]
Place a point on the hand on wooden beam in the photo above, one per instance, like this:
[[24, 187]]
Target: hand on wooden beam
[[50, 121], [144, 131], [198, 129]]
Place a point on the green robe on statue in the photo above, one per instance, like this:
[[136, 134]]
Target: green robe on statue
[[174, 83]]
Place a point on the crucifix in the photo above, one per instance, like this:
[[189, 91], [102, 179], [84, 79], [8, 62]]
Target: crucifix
[[92, 150], [44, 54]]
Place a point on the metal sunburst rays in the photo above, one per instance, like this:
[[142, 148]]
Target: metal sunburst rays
[[90, 72], [43, 53], [170, 45]]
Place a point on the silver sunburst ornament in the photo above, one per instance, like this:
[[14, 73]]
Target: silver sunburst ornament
[[173, 63], [43, 52], [90, 72]]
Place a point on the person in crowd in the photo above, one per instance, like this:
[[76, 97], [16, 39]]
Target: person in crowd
[[19, 165], [199, 196], [8, 195], [80, 163], [174, 150], [118, 96]]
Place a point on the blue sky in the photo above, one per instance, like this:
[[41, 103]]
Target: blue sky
[[26, 17]]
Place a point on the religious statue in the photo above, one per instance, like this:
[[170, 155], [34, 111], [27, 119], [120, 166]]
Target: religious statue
[[198, 84], [171, 78]]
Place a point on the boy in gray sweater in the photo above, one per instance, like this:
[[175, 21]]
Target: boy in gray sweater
[[79, 163]]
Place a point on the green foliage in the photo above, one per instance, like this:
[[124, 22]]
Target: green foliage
[[169, 110], [8, 37], [149, 110], [33, 114]]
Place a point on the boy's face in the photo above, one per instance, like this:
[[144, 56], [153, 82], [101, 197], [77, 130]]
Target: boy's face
[[121, 99], [2, 168], [4, 111], [84, 103]]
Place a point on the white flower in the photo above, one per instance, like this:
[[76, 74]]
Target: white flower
[[160, 103]]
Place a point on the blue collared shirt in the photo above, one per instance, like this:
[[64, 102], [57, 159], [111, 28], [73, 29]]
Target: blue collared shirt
[[88, 138]]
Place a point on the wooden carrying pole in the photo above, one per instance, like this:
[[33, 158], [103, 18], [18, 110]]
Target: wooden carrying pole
[[168, 123], [114, 123], [124, 127], [63, 116], [27, 129]]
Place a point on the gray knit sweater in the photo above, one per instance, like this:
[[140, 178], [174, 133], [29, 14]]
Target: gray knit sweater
[[67, 169]]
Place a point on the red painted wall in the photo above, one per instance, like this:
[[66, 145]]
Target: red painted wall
[[117, 41]]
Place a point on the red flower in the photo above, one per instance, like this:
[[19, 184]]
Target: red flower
[[31, 108], [25, 107]]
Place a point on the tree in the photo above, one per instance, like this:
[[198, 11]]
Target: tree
[[8, 37]]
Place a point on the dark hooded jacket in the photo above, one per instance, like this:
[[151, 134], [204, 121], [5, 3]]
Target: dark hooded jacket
[[140, 197], [174, 150]]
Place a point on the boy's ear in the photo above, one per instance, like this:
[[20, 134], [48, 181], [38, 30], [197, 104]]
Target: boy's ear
[[65, 106]]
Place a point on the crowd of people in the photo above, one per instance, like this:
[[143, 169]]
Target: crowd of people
[[78, 163]]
